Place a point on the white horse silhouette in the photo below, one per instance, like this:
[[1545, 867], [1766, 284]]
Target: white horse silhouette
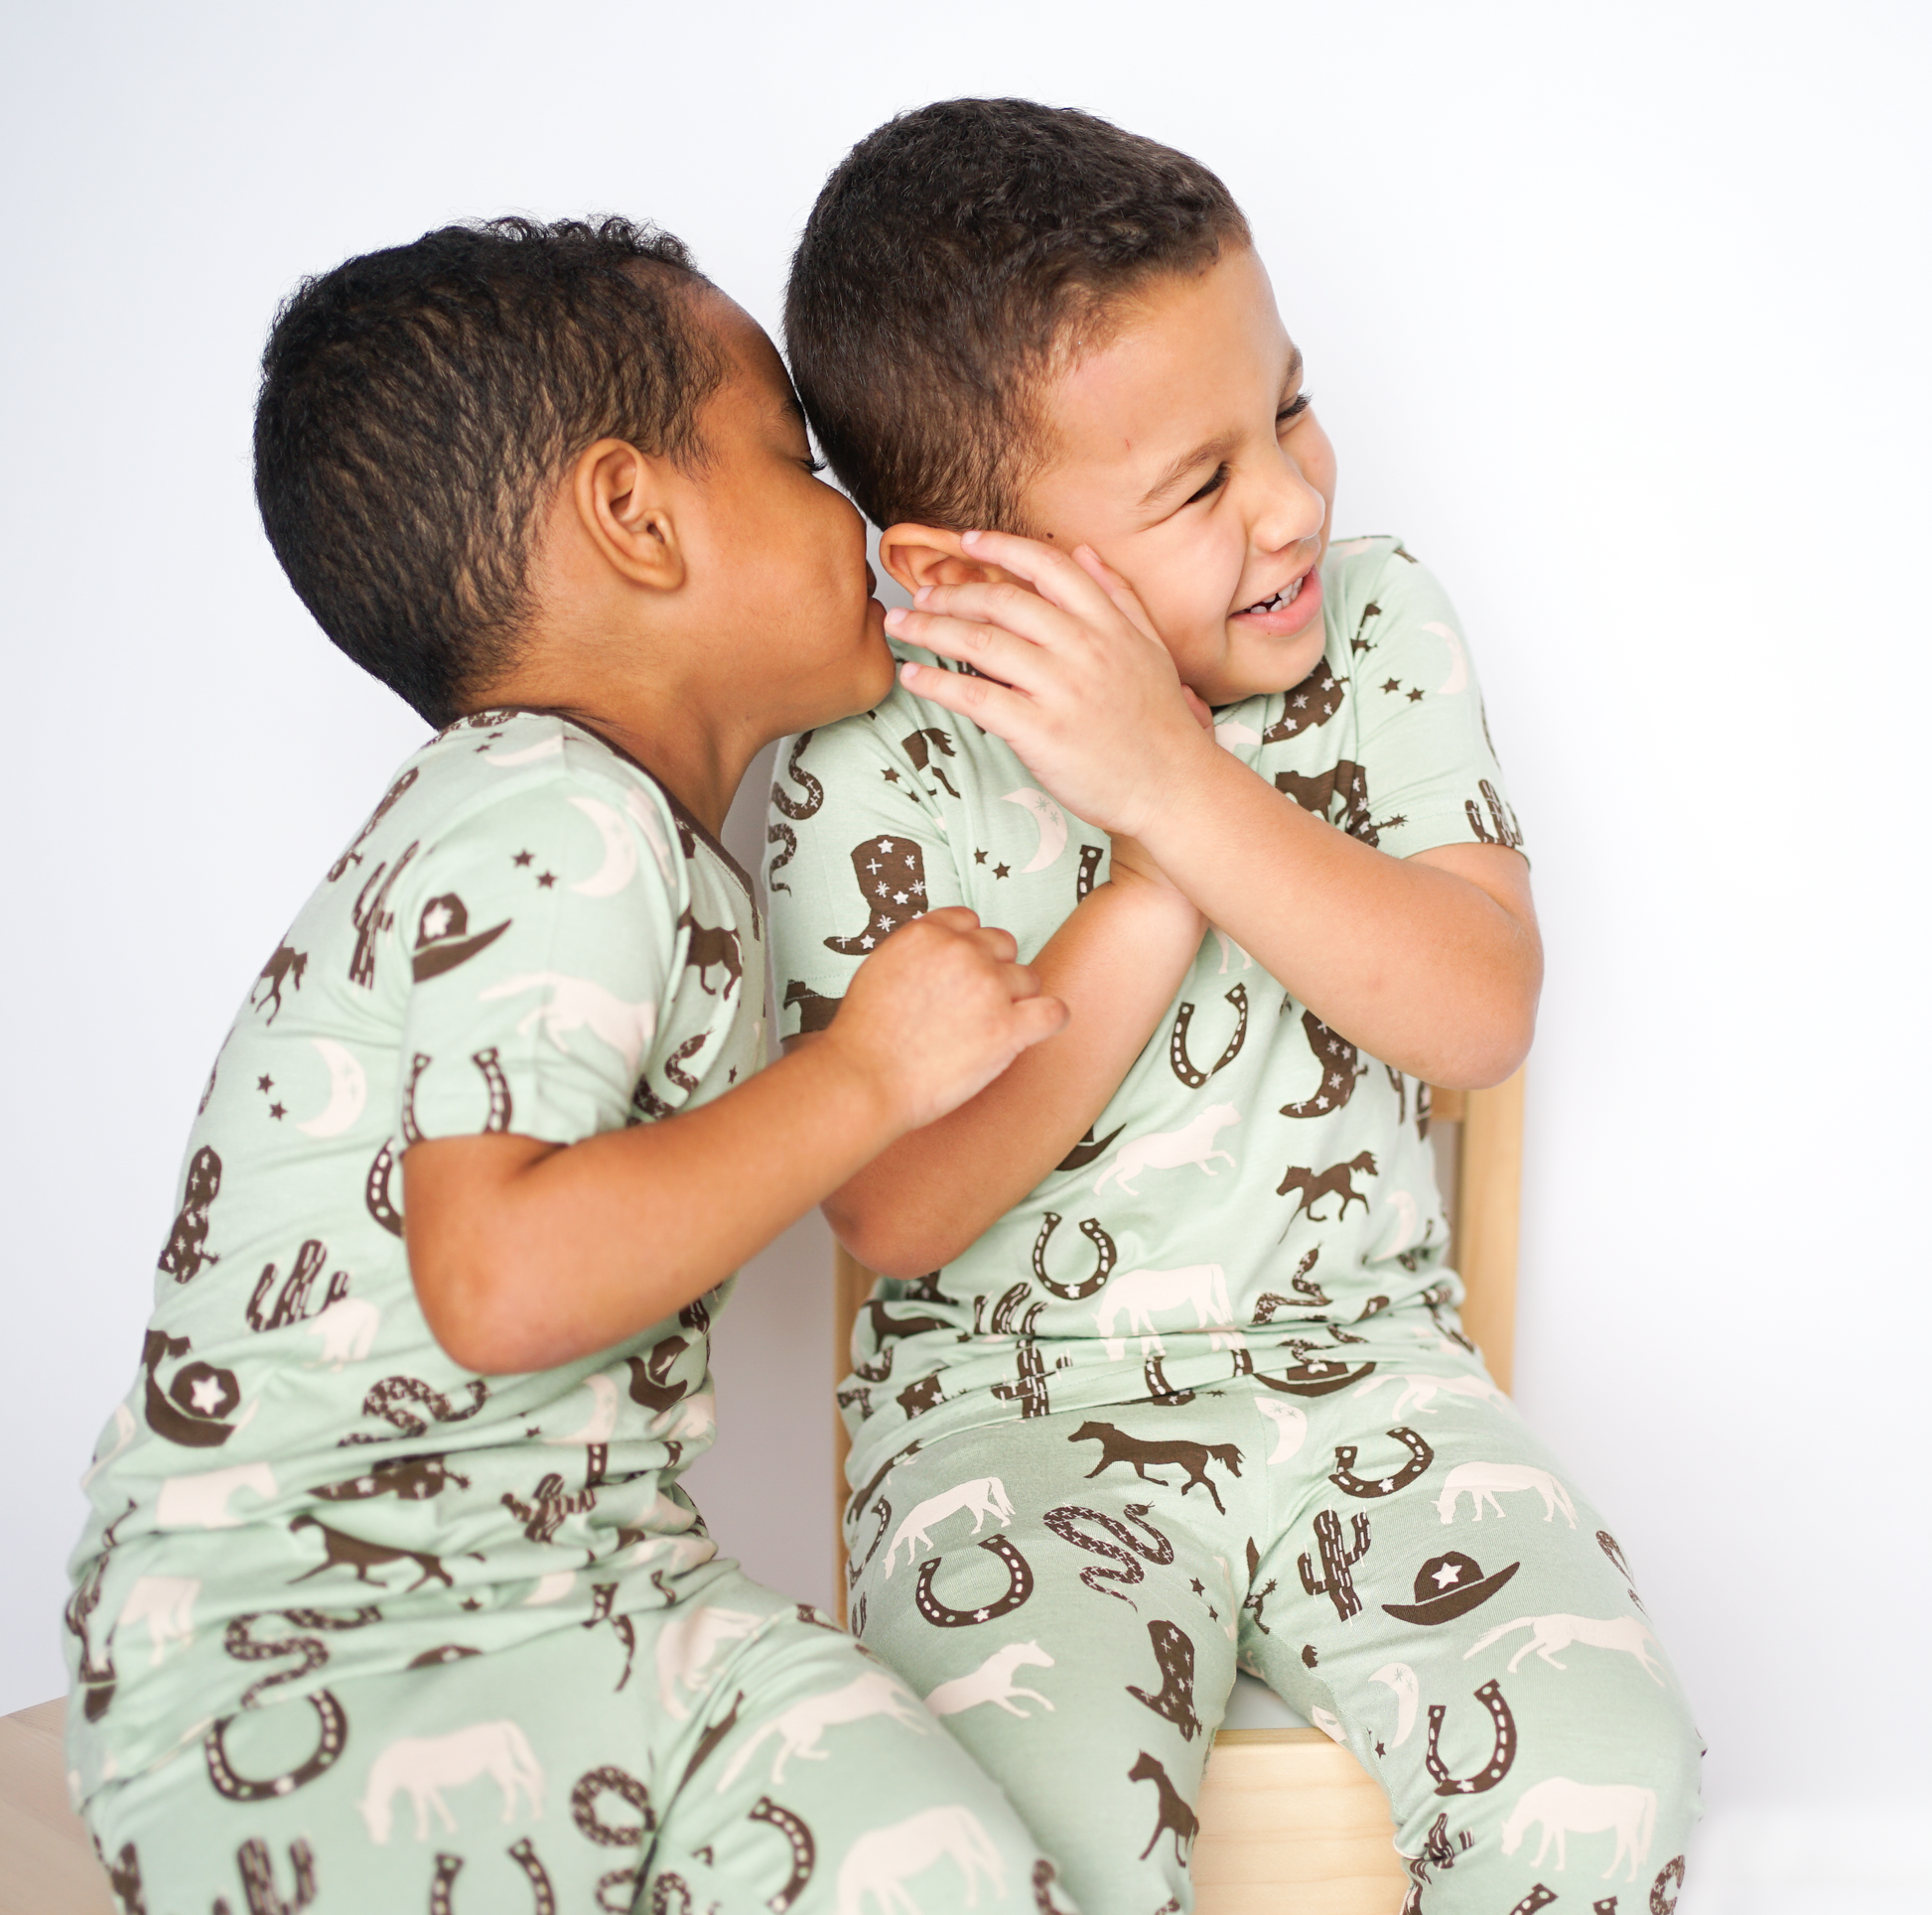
[[798, 1729], [1550, 1633], [348, 1330], [878, 1866], [427, 1765], [984, 1496], [992, 1682], [686, 1646], [1192, 1144], [1139, 1293], [1560, 1808], [201, 1501], [1419, 1391], [582, 1003], [1482, 1482], [166, 1603]]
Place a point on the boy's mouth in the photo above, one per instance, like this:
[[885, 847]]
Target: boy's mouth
[[1282, 599]]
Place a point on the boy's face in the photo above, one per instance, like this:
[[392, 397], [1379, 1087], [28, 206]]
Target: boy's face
[[1184, 453], [781, 556]]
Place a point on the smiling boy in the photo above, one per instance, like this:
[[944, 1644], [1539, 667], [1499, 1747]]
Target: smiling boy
[[1232, 789], [397, 1492]]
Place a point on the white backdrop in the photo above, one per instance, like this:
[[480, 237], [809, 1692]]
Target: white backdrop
[[1615, 313]]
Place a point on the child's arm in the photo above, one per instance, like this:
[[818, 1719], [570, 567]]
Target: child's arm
[[1432, 963], [1115, 964], [526, 1255]]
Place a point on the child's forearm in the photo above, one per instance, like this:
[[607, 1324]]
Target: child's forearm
[[528, 1255], [1116, 964], [1431, 963]]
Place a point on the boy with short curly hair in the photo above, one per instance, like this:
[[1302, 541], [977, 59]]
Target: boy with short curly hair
[[395, 1501], [1165, 1307]]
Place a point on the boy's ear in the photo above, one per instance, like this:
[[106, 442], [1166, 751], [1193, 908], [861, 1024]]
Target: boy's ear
[[918, 555], [624, 499]]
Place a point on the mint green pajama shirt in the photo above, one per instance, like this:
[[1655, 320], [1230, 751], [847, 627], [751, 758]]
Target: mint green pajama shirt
[[1203, 1399], [353, 1629]]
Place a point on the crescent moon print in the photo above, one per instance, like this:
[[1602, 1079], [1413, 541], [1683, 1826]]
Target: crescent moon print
[[1345, 1478], [1020, 1585], [620, 864], [1182, 1066], [1400, 1680], [1502, 1754], [1459, 678], [890, 875], [1050, 819], [375, 1191], [548, 747], [1341, 1070], [1105, 1257], [794, 808], [1315, 701], [348, 1090], [187, 1253]]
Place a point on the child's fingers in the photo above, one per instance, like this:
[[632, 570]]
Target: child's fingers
[[1125, 598], [994, 708], [996, 654], [1004, 607], [1048, 570], [1035, 1019]]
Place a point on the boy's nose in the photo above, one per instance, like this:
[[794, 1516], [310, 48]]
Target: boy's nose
[[1291, 509]]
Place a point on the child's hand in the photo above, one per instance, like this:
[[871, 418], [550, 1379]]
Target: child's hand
[[1070, 674], [938, 1011]]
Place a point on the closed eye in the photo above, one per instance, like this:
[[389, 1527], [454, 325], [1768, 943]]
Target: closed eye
[[1213, 485], [1294, 409]]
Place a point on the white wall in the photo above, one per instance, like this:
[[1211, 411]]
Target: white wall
[[1615, 312]]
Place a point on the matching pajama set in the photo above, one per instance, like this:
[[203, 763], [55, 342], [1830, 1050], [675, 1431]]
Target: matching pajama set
[[1204, 1401], [352, 1629]]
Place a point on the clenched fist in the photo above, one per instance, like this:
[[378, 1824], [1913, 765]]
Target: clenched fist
[[938, 1011]]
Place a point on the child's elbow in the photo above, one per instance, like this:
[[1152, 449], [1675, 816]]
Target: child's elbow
[[475, 1332], [888, 1246]]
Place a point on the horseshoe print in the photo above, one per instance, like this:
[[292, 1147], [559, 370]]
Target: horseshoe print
[[1182, 1066], [1538, 1897], [1502, 1754], [376, 1192], [1663, 1891], [804, 1851], [1345, 1478], [1105, 1256], [490, 1063], [1159, 1390], [1020, 1585], [1089, 864], [410, 1133], [241, 1788], [524, 1854]]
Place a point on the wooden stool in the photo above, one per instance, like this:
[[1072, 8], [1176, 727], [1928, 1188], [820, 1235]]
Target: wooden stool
[[1291, 1824], [47, 1862]]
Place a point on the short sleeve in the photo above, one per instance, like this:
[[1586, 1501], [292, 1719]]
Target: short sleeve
[[859, 847], [1429, 771], [542, 932]]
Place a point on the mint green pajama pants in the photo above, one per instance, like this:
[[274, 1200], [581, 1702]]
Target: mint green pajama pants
[[734, 1752], [1399, 1559]]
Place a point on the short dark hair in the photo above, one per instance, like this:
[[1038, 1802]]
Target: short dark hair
[[419, 406], [954, 259]]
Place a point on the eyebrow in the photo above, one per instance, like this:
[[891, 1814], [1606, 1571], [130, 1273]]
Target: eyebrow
[[1211, 450]]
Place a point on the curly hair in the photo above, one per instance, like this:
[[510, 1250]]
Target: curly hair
[[420, 405], [958, 257]]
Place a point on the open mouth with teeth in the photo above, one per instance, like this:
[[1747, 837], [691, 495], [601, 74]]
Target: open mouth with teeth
[[1282, 599]]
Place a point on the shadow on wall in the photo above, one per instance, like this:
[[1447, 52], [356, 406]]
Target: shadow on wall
[[765, 1487]]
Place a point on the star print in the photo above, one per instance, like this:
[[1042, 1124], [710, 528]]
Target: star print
[[470, 1602], [731, 1076], [264, 1083], [1213, 1614], [1392, 685], [208, 1393], [1386, 1485], [885, 847], [1415, 697], [521, 859], [1358, 644], [1448, 1574], [898, 897], [866, 943], [278, 1111], [890, 775], [1380, 1750], [546, 879], [436, 921], [1198, 1587], [1001, 871], [979, 857]]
